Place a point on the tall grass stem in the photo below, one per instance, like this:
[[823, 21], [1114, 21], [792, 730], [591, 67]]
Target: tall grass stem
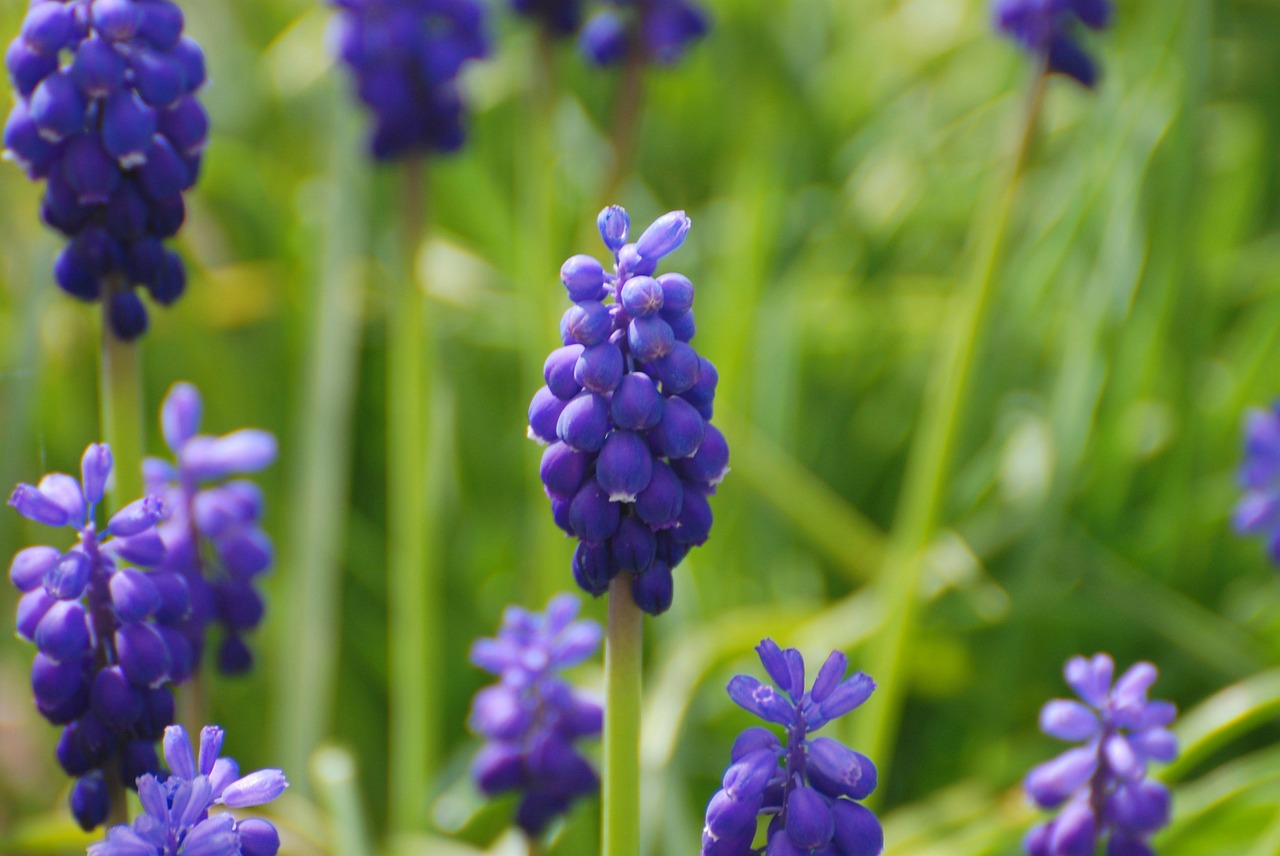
[[929, 464]]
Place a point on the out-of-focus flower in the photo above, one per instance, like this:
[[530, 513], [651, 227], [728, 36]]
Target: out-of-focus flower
[[1103, 782], [531, 718]]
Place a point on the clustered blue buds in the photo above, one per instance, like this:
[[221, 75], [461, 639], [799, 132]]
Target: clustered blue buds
[[406, 55], [105, 631], [1103, 782], [1258, 512], [808, 785], [1048, 29], [661, 30], [532, 717], [631, 455], [558, 17], [176, 818], [107, 115], [211, 534]]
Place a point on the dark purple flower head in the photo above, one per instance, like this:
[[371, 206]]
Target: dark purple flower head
[[176, 819], [105, 631], [211, 530], [405, 56], [631, 453], [1048, 29], [661, 30], [531, 717], [107, 114], [1258, 512], [1103, 781], [807, 785], [559, 18]]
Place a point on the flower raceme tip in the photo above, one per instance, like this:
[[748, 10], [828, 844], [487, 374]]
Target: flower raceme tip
[[1048, 29], [176, 819], [807, 786]]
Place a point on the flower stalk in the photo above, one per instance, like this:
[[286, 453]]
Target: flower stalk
[[622, 664]]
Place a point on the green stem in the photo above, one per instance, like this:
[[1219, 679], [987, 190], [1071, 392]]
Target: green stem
[[121, 402], [120, 399], [338, 786], [626, 123], [413, 612], [622, 657], [930, 462], [320, 473]]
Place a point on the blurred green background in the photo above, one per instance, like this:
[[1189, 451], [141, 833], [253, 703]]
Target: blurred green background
[[834, 156]]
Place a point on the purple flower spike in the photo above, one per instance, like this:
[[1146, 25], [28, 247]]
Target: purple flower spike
[[105, 129], [211, 533], [405, 58], [1049, 29], [176, 819], [808, 785], [108, 647], [624, 403], [532, 717], [1101, 784]]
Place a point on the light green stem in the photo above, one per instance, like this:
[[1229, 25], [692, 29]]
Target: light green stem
[[929, 464], [338, 786], [413, 612], [622, 659], [320, 472], [121, 400]]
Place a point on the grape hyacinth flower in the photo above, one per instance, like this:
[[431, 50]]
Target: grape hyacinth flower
[[211, 533], [176, 817], [660, 30], [631, 454], [1103, 782], [107, 114], [807, 785], [406, 56], [532, 717], [1258, 512], [105, 631], [1049, 29]]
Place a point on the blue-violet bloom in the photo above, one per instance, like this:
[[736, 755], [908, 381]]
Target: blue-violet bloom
[[531, 718], [806, 785], [659, 30], [1101, 785], [176, 819], [107, 114], [1048, 29], [405, 56], [106, 634], [1258, 512], [211, 529], [632, 456]]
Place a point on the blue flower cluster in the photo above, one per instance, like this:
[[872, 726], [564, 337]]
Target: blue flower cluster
[[1258, 512], [106, 632], [1047, 29], [211, 534], [107, 115], [662, 30], [1103, 782], [176, 818], [406, 55], [532, 717], [632, 456], [808, 785]]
